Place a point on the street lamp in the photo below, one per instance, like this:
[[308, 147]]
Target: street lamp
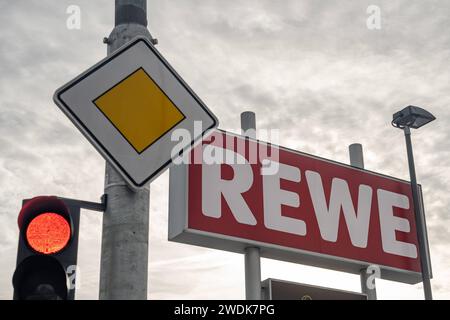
[[415, 117]]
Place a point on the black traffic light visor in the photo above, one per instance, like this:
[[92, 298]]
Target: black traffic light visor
[[39, 205]]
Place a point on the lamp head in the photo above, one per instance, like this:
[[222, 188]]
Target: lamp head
[[412, 117]]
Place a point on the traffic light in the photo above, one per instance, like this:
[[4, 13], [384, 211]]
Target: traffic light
[[47, 251]]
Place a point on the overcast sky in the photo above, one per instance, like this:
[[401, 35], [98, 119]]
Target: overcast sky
[[311, 69]]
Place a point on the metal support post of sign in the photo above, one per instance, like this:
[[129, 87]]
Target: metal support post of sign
[[420, 220], [88, 205], [252, 254], [357, 160], [124, 256]]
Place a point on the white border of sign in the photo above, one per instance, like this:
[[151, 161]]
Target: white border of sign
[[179, 232], [77, 100]]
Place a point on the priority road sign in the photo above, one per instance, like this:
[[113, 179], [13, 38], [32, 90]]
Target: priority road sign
[[128, 106]]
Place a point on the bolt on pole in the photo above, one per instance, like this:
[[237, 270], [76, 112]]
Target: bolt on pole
[[252, 254], [124, 252], [420, 223], [357, 160]]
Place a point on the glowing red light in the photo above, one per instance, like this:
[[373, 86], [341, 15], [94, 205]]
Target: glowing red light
[[48, 233]]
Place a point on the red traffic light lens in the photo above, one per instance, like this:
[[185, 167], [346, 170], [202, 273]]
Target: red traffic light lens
[[48, 233]]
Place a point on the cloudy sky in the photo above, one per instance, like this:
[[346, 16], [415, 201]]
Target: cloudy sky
[[309, 68]]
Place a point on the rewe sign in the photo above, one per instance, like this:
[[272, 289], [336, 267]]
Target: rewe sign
[[237, 192]]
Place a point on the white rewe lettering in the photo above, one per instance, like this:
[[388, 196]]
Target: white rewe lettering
[[214, 187], [275, 197], [389, 223], [340, 199]]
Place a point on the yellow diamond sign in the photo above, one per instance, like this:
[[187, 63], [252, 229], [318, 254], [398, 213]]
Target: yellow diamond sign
[[136, 111], [139, 110]]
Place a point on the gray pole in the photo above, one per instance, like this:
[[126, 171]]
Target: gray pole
[[124, 256], [357, 160], [420, 223], [252, 254]]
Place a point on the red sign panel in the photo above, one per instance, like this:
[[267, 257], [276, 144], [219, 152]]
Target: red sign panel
[[238, 192]]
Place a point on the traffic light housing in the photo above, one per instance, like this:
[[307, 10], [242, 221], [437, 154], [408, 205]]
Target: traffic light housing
[[47, 251]]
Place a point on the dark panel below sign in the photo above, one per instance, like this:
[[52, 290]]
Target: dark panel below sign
[[283, 290]]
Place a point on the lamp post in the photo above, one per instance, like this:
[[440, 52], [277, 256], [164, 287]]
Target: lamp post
[[415, 117]]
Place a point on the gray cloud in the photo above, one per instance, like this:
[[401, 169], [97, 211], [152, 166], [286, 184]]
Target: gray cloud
[[309, 68]]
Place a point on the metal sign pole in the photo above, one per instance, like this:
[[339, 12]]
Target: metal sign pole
[[419, 218], [124, 256], [252, 254], [357, 160]]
